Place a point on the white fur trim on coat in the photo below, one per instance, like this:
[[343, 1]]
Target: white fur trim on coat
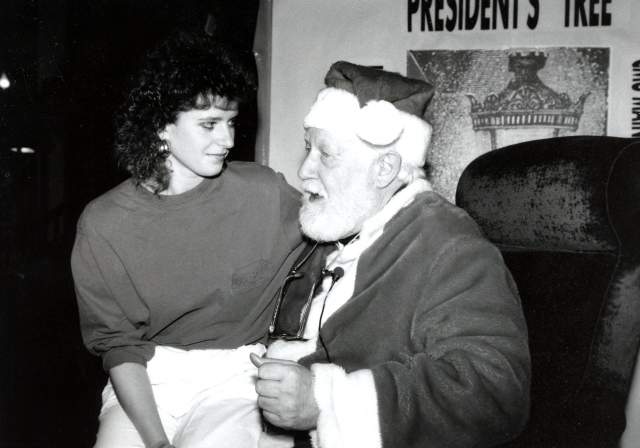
[[291, 350], [348, 406], [275, 441]]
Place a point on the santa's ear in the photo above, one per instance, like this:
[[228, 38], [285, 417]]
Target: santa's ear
[[388, 168]]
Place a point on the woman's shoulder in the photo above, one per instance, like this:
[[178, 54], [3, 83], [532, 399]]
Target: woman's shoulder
[[253, 174], [261, 182], [250, 171], [106, 208]]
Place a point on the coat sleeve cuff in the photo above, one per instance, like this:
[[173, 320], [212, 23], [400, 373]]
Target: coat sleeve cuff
[[275, 441], [348, 408]]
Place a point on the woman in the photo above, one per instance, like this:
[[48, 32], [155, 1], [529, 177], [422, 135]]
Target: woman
[[176, 268]]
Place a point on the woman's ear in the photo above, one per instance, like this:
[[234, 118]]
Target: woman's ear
[[163, 134], [388, 169]]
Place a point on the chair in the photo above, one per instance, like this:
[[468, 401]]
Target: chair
[[565, 212]]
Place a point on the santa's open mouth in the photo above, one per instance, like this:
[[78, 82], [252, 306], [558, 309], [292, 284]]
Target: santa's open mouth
[[313, 196]]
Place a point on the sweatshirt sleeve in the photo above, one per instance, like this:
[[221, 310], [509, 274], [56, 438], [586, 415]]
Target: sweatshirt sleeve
[[464, 382], [290, 202], [102, 287]]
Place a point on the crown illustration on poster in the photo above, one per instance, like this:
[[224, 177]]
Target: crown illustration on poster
[[526, 101]]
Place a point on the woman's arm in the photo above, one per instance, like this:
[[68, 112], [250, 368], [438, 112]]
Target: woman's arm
[[133, 389]]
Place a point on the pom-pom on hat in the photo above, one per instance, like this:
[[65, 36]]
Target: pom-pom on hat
[[376, 106]]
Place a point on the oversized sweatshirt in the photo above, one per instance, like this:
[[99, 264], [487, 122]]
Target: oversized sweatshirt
[[196, 270], [422, 343]]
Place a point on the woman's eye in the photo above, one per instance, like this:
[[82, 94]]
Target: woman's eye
[[232, 123], [209, 125]]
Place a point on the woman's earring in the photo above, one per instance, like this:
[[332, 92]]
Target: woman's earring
[[164, 150]]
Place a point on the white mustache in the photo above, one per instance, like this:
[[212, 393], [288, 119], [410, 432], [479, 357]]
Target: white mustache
[[311, 187]]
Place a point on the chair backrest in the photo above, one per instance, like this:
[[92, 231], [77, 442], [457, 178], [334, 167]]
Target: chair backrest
[[565, 213]]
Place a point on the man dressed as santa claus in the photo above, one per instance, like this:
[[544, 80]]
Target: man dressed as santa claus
[[400, 326]]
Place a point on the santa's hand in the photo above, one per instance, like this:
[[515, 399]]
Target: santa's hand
[[285, 393]]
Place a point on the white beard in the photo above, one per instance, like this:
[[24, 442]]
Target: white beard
[[325, 220]]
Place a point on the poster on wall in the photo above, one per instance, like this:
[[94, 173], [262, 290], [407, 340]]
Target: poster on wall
[[488, 99]]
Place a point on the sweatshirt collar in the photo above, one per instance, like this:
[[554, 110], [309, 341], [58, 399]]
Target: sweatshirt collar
[[173, 200]]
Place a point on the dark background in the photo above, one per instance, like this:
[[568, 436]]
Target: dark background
[[68, 62]]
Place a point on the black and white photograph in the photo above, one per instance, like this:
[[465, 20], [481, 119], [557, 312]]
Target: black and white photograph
[[319, 224]]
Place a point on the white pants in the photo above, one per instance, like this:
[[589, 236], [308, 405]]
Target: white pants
[[205, 398]]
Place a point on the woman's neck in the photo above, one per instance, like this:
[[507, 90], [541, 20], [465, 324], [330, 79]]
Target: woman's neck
[[176, 186], [179, 185]]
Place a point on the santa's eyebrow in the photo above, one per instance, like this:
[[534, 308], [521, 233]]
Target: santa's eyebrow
[[325, 146]]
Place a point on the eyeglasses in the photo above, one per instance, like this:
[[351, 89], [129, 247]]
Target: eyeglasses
[[288, 328]]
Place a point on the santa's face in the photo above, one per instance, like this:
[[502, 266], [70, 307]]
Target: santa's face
[[338, 186]]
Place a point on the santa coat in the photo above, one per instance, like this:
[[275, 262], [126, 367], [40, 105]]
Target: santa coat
[[423, 340]]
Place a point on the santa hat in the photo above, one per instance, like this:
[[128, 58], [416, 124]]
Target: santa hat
[[376, 106]]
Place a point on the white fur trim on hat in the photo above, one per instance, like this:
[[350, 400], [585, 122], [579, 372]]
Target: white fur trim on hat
[[335, 110], [414, 141], [379, 123]]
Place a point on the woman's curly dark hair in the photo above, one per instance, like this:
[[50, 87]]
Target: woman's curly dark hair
[[185, 71]]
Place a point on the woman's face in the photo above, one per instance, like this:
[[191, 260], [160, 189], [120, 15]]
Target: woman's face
[[199, 142]]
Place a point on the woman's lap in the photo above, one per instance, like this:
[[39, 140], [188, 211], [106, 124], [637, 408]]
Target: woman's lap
[[223, 412]]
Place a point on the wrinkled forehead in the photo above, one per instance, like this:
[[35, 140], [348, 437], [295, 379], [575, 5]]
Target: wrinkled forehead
[[334, 144], [325, 139]]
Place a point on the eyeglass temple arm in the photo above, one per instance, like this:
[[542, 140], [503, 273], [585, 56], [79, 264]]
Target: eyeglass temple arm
[[291, 275], [335, 276], [304, 260]]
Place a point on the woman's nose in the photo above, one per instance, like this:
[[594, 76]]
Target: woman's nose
[[226, 136]]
